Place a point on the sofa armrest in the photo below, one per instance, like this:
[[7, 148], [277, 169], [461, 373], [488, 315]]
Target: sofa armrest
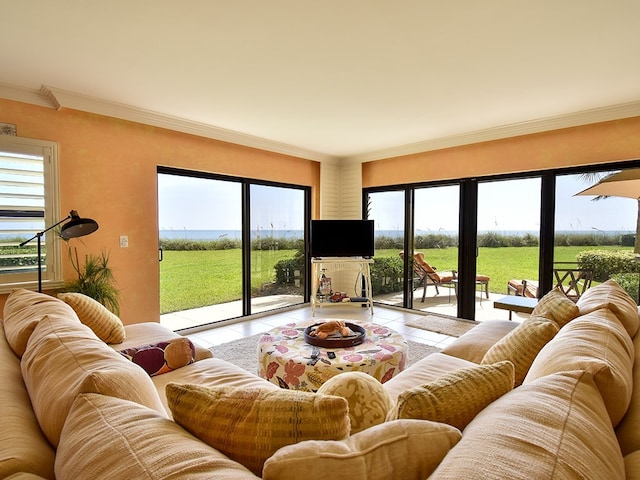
[[476, 342]]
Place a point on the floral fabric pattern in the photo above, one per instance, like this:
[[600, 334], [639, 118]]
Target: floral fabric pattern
[[284, 358]]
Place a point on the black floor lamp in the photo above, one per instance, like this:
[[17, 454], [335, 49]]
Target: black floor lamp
[[75, 227]]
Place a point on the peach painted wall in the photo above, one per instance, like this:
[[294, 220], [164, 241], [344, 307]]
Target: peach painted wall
[[108, 173], [591, 144]]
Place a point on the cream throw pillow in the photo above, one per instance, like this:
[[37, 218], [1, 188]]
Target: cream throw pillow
[[457, 397], [106, 325], [369, 401], [612, 296], [249, 425], [403, 449], [24, 309], [557, 307], [134, 442], [556, 427], [596, 343], [521, 345]]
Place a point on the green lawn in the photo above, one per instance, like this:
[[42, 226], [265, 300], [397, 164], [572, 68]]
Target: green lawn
[[500, 264], [191, 279]]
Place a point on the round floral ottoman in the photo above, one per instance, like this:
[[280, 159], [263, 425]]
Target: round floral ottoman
[[284, 358]]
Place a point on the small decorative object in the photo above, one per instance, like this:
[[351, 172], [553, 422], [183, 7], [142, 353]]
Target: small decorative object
[[7, 129], [325, 285], [334, 334]]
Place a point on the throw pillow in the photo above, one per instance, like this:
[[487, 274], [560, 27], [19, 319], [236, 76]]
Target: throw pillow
[[133, 442], [369, 401], [596, 343], [554, 428], [107, 326], [557, 307], [612, 296], [249, 425], [24, 309], [400, 449], [162, 357], [457, 397], [522, 344]]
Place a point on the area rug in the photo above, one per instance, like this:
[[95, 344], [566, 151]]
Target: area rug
[[454, 327], [243, 352]]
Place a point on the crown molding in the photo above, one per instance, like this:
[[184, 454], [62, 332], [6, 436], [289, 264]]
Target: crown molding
[[52, 97], [66, 99], [25, 95], [576, 119]]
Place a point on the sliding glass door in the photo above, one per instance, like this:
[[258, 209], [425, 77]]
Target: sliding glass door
[[277, 222], [200, 224], [228, 247]]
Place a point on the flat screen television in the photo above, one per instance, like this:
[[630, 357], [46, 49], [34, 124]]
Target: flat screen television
[[341, 238]]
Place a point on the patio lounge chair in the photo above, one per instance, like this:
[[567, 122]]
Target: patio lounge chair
[[426, 274], [523, 288]]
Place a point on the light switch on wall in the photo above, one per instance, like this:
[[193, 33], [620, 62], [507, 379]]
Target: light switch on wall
[[124, 241]]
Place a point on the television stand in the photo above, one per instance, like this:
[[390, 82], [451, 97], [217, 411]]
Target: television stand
[[336, 264]]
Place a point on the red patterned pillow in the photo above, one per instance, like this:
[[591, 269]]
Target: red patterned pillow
[[162, 357]]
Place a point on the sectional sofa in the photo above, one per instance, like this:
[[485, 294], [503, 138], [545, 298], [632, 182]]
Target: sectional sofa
[[85, 397]]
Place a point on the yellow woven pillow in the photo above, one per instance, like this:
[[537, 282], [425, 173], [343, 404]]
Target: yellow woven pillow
[[107, 326], [557, 307], [249, 425], [522, 344], [369, 402], [457, 397], [401, 449]]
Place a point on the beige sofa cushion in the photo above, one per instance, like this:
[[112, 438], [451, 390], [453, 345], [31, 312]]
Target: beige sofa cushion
[[134, 443], [612, 296], [522, 344], [249, 425], [632, 466], [105, 324], [24, 309], [23, 447], [456, 397], [628, 430], [402, 449], [369, 402], [557, 307], [65, 358], [554, 428], [426, 370], [210, 372], [596, 343], [474, 344]]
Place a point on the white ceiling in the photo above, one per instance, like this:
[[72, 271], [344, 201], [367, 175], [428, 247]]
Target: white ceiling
[[343, 78]]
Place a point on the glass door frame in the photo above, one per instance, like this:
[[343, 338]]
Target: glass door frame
[[246, 184], [468, 226]]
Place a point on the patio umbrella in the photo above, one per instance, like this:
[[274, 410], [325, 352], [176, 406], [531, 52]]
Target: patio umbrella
[[622, 184]]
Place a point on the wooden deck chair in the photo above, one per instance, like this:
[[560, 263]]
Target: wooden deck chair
[[522, 288], [571, 279]]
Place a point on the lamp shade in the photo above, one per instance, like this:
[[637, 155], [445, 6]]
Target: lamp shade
[[78, 227]]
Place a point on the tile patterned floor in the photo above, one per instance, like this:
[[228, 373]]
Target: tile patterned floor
[[393, 318]]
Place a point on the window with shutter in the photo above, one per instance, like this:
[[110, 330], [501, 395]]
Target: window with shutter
[[28, 203]]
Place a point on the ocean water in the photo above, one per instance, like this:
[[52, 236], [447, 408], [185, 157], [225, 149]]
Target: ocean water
[[294, 234]]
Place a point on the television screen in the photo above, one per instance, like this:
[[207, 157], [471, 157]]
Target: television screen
[[341, 238]]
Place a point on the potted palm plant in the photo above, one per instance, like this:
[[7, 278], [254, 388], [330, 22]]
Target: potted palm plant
[[95, 279]]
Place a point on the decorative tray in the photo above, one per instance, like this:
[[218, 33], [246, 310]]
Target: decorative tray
[[336, 340]]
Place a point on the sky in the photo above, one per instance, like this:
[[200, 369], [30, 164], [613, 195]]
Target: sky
[[502, 206]]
